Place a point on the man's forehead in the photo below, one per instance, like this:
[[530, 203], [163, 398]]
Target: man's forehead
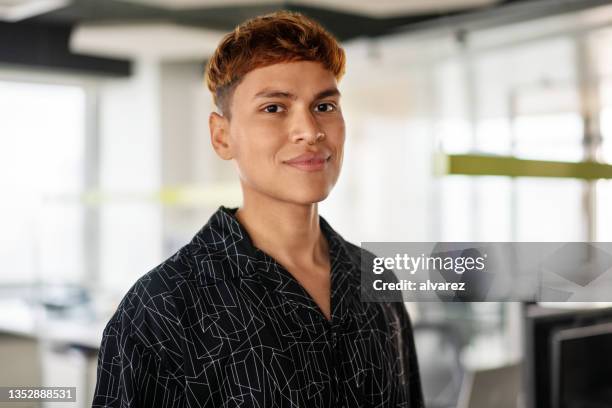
[[299, 78], [278, 92]]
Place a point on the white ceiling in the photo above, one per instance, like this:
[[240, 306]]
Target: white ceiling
[[389, 8], [151, 40], [169, 41], [378, 8], [187, 4]]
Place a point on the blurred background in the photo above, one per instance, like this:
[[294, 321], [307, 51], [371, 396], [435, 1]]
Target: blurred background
[[467, 120]]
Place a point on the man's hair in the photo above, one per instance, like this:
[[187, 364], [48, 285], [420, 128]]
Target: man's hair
[[279, 37]]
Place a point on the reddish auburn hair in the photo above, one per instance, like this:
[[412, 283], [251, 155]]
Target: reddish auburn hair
[[279, 37]]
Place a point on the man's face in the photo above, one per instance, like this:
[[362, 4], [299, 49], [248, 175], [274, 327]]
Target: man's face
[[286, 131]]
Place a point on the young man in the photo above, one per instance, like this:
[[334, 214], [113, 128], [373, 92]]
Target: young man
[[262, 308]]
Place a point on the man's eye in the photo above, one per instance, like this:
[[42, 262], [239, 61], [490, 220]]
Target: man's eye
[[273, 108], [326, 107]]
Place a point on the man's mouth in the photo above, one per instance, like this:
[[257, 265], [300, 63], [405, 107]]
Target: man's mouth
[[309, 161]]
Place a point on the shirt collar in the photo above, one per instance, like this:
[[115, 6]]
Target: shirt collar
[[223, 238]]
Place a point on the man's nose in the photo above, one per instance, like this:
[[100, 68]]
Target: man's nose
[[304, 127]]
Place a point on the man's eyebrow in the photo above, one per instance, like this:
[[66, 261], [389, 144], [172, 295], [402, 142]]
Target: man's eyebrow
[[272, 93], [328, 92]]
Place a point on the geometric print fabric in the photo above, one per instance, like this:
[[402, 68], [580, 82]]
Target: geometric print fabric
[[222, 324]]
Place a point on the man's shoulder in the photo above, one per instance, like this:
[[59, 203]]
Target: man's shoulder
[[158, 296], [165, 279], [364, 259]]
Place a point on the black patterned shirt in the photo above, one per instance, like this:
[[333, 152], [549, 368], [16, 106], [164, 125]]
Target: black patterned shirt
[[222, 324]]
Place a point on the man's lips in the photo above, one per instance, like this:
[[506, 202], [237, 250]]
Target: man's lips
[[309, 161]]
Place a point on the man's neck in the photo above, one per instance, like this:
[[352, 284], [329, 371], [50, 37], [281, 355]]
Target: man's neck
[[288, 232]]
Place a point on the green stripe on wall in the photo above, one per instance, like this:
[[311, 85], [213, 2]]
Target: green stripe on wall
[[483, 165]]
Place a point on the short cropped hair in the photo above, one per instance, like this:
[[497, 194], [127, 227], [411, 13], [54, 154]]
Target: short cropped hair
[[279, 37]]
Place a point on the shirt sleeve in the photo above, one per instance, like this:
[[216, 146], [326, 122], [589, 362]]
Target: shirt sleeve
[[130, 375]]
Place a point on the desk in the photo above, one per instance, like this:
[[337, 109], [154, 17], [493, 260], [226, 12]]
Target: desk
[[56, 331]]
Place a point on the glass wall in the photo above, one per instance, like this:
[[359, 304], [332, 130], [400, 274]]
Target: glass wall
[[42, 149]]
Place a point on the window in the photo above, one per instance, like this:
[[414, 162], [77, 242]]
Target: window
[[42, 151]]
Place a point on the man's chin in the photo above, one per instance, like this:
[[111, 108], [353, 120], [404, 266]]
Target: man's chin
[[290, 193], [314, 199], [307, 198]]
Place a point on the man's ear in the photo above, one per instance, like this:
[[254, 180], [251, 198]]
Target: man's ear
[[219, 135]]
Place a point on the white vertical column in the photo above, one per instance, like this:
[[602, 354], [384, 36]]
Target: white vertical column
[[130, 236]]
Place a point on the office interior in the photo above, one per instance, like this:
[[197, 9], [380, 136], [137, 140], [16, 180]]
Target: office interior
[[107, 169]]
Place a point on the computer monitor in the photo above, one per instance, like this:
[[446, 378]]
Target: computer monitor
[[542, 367], [582, 367]]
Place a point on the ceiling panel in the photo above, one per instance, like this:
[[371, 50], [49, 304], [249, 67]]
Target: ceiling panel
[[16, 10], [390, 8], [197, 4], [164, 41], [379, 8]]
